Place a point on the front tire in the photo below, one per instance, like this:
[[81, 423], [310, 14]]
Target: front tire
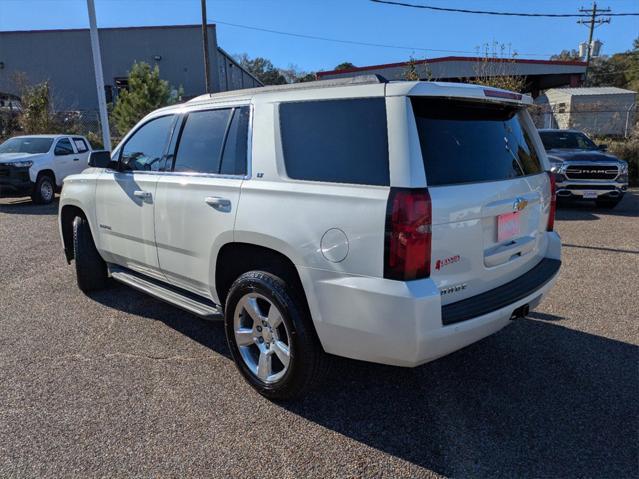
[[43, 190], [271, 336], [90, 268]]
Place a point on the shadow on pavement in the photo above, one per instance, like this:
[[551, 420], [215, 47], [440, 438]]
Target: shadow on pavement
[[570, 210], [535, 400], [544, 316], [24, 206], [208, 333]]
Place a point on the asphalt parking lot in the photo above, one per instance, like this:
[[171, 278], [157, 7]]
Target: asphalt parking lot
[[120, 384]]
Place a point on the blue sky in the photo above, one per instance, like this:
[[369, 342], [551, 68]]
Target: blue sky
[[356, 20]]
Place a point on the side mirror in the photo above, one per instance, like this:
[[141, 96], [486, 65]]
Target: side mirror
[[101, 159], [602, 147]]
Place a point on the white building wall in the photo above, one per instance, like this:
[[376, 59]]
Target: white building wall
[[598, 114]]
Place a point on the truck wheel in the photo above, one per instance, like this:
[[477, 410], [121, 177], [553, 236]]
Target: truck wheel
[[44, 190], [90, 268], [271, 336], [608, 203]]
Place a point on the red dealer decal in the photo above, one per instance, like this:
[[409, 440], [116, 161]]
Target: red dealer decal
[[446, 261]]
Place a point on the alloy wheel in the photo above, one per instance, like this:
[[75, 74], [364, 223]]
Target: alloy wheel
[[262, 337]]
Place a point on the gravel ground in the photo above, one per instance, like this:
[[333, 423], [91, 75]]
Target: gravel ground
[[119, 384]]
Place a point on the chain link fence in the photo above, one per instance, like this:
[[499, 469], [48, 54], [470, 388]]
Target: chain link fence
[[72, 122], [595, 122]]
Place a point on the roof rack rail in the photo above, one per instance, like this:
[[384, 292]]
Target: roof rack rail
[[335, 82]]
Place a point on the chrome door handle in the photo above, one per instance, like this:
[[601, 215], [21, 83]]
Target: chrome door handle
[[145, 195], [220, 204]]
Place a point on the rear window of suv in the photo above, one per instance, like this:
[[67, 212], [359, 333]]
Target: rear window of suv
[[470, 142], [339, 141]]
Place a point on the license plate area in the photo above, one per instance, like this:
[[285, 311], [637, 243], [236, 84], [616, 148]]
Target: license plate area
[[590, 194], [508, 226]]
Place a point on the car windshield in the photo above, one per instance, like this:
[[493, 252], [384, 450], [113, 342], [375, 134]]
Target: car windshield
[[566, 140], [26, 144]]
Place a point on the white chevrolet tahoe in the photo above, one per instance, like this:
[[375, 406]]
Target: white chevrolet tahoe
[[387, 222], [37, 165]]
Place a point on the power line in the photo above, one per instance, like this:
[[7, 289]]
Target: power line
[[489, 12], [354, 42]]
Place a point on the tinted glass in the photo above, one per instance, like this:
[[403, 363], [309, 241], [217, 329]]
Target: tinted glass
[[145, 149], [466, 142], [63, 147], [200, 146], [26, 145], [566, 140], [80, 145], [341, 141], [234, 157]]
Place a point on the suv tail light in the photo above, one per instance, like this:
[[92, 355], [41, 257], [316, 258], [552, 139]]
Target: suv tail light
[[553, 202], [407, 246]]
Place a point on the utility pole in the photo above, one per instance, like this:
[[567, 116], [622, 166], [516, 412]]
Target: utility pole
[[205, 45], [99, 77], [592, 22]]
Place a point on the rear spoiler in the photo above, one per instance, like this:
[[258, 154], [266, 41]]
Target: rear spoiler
[[457, 91]]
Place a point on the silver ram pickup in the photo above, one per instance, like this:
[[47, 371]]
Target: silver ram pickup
[[584, 170]]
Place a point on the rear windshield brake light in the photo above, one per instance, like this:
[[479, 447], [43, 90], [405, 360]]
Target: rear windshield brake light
[[502, 94]]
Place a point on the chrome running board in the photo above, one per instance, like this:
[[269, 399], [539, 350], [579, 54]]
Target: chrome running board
[[185, 300]]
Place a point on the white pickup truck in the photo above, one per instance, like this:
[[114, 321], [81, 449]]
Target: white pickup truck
[[387, 222], [37, 165]]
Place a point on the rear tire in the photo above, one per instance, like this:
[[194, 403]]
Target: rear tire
[[90, 268], [608, 203], [267, 324], [43, 190]]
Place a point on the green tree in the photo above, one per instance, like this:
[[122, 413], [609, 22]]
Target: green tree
[[620, 70], [306, 77], [145, 93], [262, 69], [37, 114], [294, 75], [344, 66]]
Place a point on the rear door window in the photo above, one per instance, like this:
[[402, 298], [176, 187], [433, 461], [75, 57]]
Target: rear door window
[[201, 141], [339, 141], [469, 142]]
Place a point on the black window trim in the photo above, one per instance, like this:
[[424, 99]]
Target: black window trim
[[174, 143], [120, 147]]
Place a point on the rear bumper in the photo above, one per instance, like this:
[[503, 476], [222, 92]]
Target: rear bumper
[[404, 323]]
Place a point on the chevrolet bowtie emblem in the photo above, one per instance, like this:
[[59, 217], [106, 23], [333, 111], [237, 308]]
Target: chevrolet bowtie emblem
[[520, 204]]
